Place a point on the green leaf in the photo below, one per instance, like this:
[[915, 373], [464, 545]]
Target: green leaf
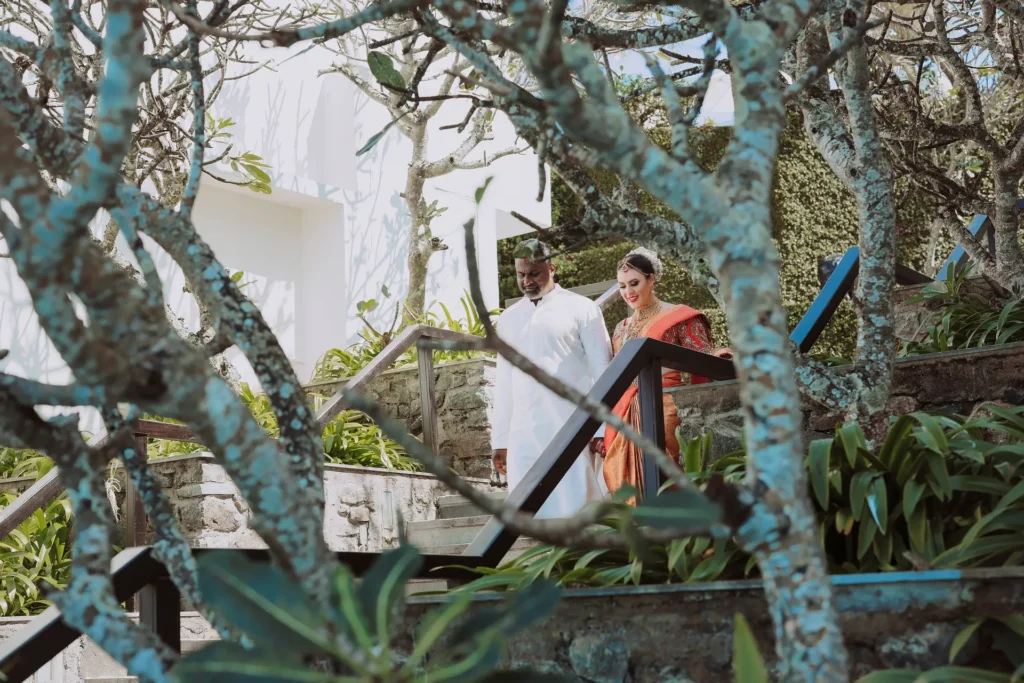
[[820, 454], [1014, 623], [692, 456], [852, 439], [257, 173], [912, 493], [866, 536], [372, 142], [385, 292], [262, 601], [366, 306], [917, 525], [747, 663], [962, 637], [683, 509], [383, 69], [434, 626], [859, 486], [891, 676], [383, 586], [520, 675], [960, 674], [937, 466], [979, 485], [224, 662], [235, 277], [878, 504], [899, 430], [1018, 674], [480, 191], [931, 434]]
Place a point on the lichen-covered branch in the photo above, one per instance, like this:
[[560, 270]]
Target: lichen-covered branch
[[88, 602]]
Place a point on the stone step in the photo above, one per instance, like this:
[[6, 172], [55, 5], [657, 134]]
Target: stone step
[[99, 667], [453, 506], [518, 548], [446, 531]]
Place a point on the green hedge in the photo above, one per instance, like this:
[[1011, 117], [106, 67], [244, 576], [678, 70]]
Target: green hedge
[[814, 216]]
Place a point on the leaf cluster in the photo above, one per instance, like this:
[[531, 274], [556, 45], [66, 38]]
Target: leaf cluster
[[454, 643]]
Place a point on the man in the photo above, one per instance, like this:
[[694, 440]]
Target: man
[[565, 335]]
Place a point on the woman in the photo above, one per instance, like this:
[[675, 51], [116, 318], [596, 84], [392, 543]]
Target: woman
[[638, 275]]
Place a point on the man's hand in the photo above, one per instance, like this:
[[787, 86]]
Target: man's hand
[[499, 460], [597, 447]]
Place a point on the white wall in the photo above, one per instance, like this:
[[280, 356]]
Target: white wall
[[333, 230], [308, 128]]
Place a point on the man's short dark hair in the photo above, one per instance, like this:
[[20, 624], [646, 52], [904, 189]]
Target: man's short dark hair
[[540, 251]]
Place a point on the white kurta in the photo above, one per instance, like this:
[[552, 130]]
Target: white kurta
[[565, 335]]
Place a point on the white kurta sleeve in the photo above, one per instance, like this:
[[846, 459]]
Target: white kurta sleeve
[[502, 421], [597, 346]]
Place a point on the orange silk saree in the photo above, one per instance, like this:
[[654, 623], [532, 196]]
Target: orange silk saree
[[623, 463]]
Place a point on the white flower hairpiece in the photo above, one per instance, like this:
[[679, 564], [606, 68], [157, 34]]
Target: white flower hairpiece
[[650, 256]]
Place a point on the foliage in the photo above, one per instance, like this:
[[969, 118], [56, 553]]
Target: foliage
[[351, 438], [337, 364], [35, 555], [249, 165], [941, 492], [814, 216], [963, 319], [747, 662], [22, 462], [1006, 654], [287, 628]]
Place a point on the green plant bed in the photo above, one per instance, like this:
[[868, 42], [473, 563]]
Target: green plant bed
[[351, 438], [941, 492], [339, 364], [36, 555], [961, 319]]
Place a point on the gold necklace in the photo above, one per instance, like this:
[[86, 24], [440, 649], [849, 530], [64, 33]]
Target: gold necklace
[[636, 324]]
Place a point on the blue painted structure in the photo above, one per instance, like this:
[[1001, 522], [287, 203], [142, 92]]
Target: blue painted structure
[[980, 227]]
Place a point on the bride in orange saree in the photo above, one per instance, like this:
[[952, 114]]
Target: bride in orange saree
[[638, 274]]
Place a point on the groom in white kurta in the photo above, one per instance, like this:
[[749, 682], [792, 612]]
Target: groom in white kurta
[[564, 334]]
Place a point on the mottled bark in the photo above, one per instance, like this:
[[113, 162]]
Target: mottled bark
[[732, 210], [853, 149]]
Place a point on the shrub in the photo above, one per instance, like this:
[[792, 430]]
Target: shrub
[[37, 554], [941, 492], [963, 320]]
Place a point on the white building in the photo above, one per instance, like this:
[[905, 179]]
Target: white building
[[334, 228]]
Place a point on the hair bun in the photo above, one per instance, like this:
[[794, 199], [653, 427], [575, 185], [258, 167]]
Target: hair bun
[[650, 256]]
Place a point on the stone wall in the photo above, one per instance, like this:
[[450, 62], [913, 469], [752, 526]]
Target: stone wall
[[683, 633], [362, 513], [463, 399], [953, 382]]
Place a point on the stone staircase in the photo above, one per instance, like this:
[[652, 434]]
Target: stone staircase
[[457, 524]]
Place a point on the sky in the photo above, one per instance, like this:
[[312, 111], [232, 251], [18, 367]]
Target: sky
[[718, 103]]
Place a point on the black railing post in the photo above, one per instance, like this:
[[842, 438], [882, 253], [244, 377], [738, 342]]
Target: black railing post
[[652, 421], [160, 610], [135, 520]]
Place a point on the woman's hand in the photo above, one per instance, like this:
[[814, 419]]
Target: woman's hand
[[597, 447], [722, 353]]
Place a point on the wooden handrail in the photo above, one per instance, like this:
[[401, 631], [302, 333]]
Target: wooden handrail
[[49, 485], [406, 339]]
